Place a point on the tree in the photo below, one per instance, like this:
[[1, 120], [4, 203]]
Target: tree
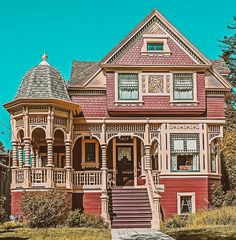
[[229, 56], [228, 143], [2, 148]]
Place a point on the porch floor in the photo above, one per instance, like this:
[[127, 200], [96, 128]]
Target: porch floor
[[138, 233]]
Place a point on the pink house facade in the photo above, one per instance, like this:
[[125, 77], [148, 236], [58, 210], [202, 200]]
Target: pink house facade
[[132, 138]]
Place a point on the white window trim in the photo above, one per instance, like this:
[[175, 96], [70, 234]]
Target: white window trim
[[139, 100], [155, 38], [191, 194], [194, 100], [90, 164], [165, 93]]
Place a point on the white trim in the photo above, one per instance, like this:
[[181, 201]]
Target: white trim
[[179, 195], [139, 100], [194, 100], [85, 164]]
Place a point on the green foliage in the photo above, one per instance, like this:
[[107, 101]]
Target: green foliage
[[178, 221], [218, 216], [3, 213], [12, 225], [73, 219], [228, 158], [77, 219], [45, 209]]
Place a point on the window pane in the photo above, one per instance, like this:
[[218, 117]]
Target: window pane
[[183, 86], [128, 86], [185, 204], [178, 144], [192, 144], [155, 46], [90, 152]]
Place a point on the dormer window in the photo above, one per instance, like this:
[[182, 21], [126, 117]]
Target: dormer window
[[158, 46]]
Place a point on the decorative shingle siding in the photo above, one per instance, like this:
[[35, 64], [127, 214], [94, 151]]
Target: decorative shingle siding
[[215, 107], [133, 56], [92, 106]]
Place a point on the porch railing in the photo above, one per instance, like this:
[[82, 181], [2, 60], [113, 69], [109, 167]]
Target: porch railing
[[155, 175], [38, 176], [59, 177], [87, 179]]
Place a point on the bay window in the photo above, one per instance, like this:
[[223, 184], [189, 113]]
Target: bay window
[[184, 152], [183, 87], [128, 86]]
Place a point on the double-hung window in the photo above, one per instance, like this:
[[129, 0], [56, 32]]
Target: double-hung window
[[183, 87], [128, 86], [184, 152]]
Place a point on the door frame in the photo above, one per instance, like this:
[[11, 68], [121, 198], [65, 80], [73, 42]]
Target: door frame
[[135, 167]]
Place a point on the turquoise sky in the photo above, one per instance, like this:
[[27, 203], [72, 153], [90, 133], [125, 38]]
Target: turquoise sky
[[87, 30]]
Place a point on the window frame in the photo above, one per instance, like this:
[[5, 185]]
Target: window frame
[[185, 152], [127, 101], [194, 80], [187, 194], [90, 164]]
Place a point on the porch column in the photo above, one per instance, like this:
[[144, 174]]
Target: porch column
[[147, 157], [14, 164], [27, 173], [20, 155], [68, 164], [33, 157], [27, 152], [104, 196], [50, 164], [14, 154]]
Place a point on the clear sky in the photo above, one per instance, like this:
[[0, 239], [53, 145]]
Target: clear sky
[[87, 30]]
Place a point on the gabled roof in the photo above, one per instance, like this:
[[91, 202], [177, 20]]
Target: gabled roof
[[81, 70], [156, 16], [220, 66]]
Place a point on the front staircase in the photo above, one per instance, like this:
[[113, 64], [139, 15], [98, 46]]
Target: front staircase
[[130, 208]]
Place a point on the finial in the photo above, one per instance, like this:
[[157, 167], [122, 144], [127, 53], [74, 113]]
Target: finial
[[44, 58]]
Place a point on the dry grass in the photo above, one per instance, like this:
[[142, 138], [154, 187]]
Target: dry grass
[[56, 234]]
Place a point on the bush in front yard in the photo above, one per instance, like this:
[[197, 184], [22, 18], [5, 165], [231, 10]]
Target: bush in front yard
[[3, 213], [78, 219], [178, 221], [45, 209]]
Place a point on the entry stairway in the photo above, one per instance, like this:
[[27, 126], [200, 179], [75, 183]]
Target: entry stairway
[[130, 208]]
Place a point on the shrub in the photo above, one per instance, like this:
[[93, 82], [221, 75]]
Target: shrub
[[76, 219], [73, 219], [45, 209], [218, 216], [178, 221], [221, 198], [3, 213]]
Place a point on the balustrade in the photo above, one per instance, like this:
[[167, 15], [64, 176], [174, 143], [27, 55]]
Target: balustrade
[[90, 179]]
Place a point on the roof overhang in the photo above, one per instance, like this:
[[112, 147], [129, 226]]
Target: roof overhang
[[113, 67], [54, 102]]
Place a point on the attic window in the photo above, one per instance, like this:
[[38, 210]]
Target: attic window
[[158, 46]]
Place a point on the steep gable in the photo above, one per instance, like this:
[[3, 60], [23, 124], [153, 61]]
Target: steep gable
[[155, 24]]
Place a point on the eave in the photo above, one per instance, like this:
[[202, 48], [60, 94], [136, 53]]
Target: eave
[[54, 102], [143, 67]]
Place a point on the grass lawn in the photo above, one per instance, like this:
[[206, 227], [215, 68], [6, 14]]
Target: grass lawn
[[56, 233], [204, 233]]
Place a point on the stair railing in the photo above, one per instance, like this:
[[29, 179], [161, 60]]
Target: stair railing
[[154, 198]]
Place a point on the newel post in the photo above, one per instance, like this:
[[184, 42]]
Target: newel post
[[104, 196], [156, 216]]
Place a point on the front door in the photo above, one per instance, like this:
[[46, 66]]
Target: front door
[[125, 166]]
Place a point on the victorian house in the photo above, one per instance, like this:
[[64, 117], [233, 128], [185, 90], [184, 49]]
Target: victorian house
[[132, 138]]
